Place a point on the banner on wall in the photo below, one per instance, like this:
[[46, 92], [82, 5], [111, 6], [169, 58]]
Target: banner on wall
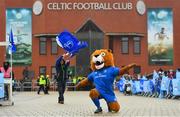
[[160, 36], [20, 21]]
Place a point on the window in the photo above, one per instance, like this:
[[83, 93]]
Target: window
[[137, 45], [53, 71], [137, 69], [42, 46], [124, 45], [111, 43], [42, 70], [54, 47]]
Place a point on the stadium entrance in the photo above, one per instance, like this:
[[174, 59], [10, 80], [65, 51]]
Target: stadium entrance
[[93, 35]]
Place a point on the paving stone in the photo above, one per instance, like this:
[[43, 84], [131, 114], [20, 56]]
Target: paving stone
[[78, 104]]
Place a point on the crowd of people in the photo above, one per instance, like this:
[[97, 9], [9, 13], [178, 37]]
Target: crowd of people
[[162, 84]]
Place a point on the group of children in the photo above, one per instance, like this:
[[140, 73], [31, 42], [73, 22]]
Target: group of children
[[162, 84]]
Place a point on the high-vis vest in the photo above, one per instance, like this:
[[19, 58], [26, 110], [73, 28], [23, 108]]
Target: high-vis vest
[[42, 81], [6, 73], [47, 81]]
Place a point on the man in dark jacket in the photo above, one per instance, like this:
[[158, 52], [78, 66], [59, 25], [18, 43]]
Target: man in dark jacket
[[62, 65], [47, 84]]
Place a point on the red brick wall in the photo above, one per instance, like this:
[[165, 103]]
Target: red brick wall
[[2, 31], [108, 21]]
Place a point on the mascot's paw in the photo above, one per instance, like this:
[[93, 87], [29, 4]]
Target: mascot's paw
[[83, 83], [132, 65], [113, 107], [94, 94]]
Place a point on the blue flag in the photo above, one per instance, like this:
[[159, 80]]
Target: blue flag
[[155, 77], [120, 85], [164, 83], [176, 87], [151, 86], [138, 86], [177, 74], [1, 85], [70, 43], [12, 47], [141, 83], [146, 86]]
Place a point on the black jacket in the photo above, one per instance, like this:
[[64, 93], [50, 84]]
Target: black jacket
[[61, 69]]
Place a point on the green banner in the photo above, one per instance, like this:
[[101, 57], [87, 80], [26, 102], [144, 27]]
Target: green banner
[[160, 36], [20, 21]]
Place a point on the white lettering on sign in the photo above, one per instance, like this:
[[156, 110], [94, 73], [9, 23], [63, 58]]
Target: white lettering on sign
[[90, 6]]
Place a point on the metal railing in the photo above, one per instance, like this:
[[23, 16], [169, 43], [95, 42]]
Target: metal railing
[[33, 86]]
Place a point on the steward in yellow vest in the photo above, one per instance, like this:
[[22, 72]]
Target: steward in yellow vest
[[42, 82]]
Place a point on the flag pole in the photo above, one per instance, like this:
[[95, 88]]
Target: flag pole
[[10, 93]]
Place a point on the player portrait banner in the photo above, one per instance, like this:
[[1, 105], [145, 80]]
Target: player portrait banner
[[160, 36], [20, 21]]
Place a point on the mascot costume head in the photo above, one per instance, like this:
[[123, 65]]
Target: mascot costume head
[[102, 76], [101, 58]]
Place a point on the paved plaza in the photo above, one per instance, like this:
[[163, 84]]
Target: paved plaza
[[78, 104]]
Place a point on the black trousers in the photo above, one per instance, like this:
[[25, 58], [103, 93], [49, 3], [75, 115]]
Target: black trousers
[[61, 89], [6, 91], [41, 87], [46, 89]]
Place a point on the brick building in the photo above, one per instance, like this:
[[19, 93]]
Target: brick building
[[114, 24]]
